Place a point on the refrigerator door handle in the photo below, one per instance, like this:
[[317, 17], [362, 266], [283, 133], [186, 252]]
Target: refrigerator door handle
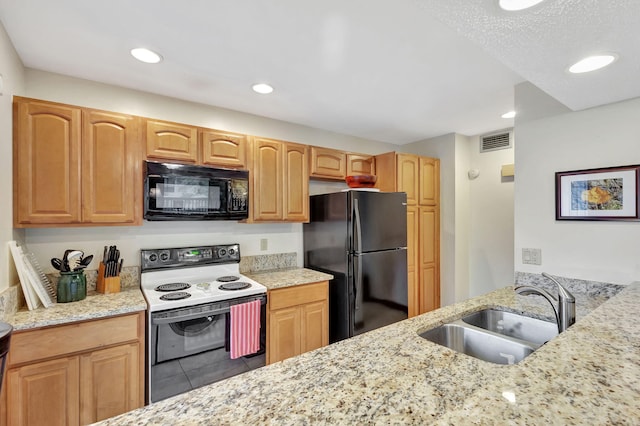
[[358, 227], [357, 275]]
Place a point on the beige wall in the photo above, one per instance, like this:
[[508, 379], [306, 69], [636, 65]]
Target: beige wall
[[598, 137], [12, 73], [51, 242]]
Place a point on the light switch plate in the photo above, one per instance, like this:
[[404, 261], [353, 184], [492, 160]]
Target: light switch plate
[[532, 256], [264, 243]]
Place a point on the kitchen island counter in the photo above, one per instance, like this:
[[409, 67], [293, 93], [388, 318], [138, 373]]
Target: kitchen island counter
[[590, 374], [94, 306]]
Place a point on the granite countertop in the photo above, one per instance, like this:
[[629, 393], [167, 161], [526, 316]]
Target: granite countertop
[[590, 374], [288, 277], [95, 305]]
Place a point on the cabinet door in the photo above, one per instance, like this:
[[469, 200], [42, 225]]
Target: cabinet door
[[429, 259], [267, 172], [315, 326], [358, 164], [284, 334], [296, 183], [110, 382], [44, 393], [429, 181], [110, 168], [407, 179], [46, 163], [328, 163], [413, 246], [172, 141], [224, 149]]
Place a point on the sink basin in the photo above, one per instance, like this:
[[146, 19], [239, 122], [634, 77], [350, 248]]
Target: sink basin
[[479, 343], [513, 325]]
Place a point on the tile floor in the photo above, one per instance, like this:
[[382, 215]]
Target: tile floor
[[174, 377]]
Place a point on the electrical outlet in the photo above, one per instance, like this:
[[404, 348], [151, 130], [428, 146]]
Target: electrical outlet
[[264, 243], [532, 256]]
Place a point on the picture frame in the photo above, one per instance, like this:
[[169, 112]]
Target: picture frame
[[609, 193]]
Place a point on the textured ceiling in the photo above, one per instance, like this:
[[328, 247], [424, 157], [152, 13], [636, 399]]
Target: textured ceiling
[[541, 43], [394, 71]]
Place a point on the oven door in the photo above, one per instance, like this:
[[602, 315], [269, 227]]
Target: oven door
[[181, 332], [183, 338]]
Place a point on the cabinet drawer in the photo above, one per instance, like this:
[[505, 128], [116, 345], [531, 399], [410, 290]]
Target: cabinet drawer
[[45, 343], [298, 295]]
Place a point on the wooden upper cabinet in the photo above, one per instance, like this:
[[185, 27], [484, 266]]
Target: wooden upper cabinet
[[46, 163], [328, 163], [172, 141], [429, 181], [280, 181], [267, 180], [359, 164], [407, 179], [296, 183], [111, 180], [223, 148]]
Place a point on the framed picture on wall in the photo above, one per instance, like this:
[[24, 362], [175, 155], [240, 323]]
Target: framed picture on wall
[[598, 194]]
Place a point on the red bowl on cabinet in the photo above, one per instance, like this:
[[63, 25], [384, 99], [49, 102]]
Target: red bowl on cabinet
[[361, 181]]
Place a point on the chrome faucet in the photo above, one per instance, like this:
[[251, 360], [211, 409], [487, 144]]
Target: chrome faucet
[[566, 311]]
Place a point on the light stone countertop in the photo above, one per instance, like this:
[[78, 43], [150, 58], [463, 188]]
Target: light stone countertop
[[95, 305], [590, 374], [288, 277]]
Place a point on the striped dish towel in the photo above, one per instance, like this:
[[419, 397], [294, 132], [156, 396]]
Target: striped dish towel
[[245, 329]]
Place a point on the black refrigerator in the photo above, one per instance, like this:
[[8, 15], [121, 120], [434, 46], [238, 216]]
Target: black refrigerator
[[360, 237]]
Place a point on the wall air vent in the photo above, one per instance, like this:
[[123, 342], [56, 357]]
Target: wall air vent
[[495, 141]]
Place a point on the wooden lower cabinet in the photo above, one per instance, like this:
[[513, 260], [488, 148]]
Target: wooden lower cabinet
[[78, 374], [297, 320]]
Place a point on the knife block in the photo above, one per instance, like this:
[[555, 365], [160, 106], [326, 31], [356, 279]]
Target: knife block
[[109, 284]]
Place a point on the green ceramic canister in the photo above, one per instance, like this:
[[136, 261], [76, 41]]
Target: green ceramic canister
[[72, 286]]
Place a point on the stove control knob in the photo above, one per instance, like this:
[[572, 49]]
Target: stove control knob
[[232, 252], [222, 252], [164, 256], [153, 257]]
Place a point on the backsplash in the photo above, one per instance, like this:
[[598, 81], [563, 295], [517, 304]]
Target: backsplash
[[129, 278], [266, 262], [8, 302], [588, 288]]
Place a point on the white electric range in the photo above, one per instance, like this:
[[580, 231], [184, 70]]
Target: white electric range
[[189, 292]]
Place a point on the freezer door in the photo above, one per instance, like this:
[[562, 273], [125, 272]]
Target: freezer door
[[380, 289], [378, 220]]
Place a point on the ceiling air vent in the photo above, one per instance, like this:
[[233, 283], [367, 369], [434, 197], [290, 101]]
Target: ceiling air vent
[[495, 141]]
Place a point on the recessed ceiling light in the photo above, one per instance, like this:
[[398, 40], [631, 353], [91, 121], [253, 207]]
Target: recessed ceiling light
[[262, 88], [514, 5], [509, 114], [592, 63], [146, 55]]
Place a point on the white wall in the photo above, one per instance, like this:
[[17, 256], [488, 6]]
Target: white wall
[[491, 221], [51, 242], [599, 137], [12, 74]]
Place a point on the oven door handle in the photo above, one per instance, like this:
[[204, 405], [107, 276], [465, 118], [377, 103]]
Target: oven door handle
[[185, 317], [189, 313]]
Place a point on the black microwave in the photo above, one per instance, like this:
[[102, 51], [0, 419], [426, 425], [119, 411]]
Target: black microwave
[[186, 192]]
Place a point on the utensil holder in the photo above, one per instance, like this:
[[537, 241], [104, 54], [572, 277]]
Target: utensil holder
[[72, 286], [109, 284]]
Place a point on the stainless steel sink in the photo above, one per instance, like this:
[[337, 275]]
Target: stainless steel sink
[[479, 343], [513, 325]]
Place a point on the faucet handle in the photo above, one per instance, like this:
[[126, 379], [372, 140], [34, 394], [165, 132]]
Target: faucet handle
[[563, 293]]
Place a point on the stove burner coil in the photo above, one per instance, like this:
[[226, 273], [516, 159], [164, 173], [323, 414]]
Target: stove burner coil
[[234, 286], [228, 278], [172, 287], [178, 295]]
